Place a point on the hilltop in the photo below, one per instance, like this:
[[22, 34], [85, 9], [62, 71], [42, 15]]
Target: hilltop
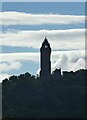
[[59, 96]]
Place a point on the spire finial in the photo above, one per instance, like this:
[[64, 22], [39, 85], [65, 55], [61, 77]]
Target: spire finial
[[45, 40], [45, 37]]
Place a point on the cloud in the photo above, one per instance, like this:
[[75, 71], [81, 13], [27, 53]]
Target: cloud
[[69, 60], [20, 18], [13, 61], [9, 57], [62, 62], [59, 39], [59, 59], [66, 65], [80, 64], [66, 60], [3, 76], [8, 66]]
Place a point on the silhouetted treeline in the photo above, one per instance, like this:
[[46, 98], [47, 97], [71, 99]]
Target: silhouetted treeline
[[59, 96]]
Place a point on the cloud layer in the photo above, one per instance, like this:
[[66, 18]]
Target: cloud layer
[[67, 60], [59, 39], [20, 18]]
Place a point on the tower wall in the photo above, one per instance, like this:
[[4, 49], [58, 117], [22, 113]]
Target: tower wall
[[45, 53]]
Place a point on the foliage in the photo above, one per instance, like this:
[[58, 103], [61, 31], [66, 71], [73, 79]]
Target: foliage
[[26, 96]]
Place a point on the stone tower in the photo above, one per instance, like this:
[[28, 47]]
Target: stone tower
[[45, 52]]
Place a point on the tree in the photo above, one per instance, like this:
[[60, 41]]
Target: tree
[[12, 78], [5, 81]]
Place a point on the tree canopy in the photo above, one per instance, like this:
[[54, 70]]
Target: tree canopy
[[59, 96]]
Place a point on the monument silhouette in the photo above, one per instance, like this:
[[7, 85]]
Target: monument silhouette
[[45, 53]]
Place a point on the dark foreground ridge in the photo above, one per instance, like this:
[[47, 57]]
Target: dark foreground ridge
[[63, 96]]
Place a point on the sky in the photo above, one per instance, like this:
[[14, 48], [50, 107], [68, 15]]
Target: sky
[[26, 24]]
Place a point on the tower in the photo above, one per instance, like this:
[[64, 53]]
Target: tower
[[45, 52]]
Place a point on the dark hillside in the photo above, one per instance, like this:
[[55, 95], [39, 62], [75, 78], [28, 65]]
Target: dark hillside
[[25, 96]]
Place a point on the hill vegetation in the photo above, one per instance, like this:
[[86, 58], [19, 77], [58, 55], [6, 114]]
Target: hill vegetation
[[26, 96]]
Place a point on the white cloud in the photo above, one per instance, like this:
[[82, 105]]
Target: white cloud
[[3, 76], [67, 60], [9, 57], [80, 64], [20, 18], [59, 39], [13, 61], [62, 62], [8, 66]]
